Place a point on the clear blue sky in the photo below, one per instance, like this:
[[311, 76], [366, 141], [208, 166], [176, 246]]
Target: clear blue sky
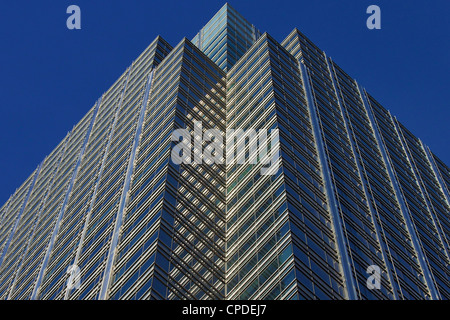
[[51, 76]]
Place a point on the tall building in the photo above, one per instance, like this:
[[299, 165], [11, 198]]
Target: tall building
[[358, 207]]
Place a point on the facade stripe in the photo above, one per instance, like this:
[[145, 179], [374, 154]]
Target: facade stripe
[[437, 173], [418, 178], [35, 293], [97, 183], [47, 192], [401, 202], [361, 173], [5, 211], [124, 197], [22, 209], [331, 197]]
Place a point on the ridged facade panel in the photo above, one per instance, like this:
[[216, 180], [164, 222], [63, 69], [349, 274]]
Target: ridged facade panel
[[330, 186]]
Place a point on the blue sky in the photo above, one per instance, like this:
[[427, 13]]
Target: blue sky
[[51, 76]]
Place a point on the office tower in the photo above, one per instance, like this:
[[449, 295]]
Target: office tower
[[109, 214]]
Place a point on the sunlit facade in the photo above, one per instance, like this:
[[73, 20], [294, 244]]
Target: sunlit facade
[[354, 187]]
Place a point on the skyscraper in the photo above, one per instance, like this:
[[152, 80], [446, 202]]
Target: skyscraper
[[358, 207]]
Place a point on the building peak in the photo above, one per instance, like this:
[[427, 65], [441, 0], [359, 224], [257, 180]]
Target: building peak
[[226, 37]]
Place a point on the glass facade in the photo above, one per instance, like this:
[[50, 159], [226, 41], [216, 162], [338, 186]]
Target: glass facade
[[226, 37], [354, 187]]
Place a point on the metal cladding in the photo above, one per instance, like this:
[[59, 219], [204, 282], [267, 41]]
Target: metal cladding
[[353, 190]]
